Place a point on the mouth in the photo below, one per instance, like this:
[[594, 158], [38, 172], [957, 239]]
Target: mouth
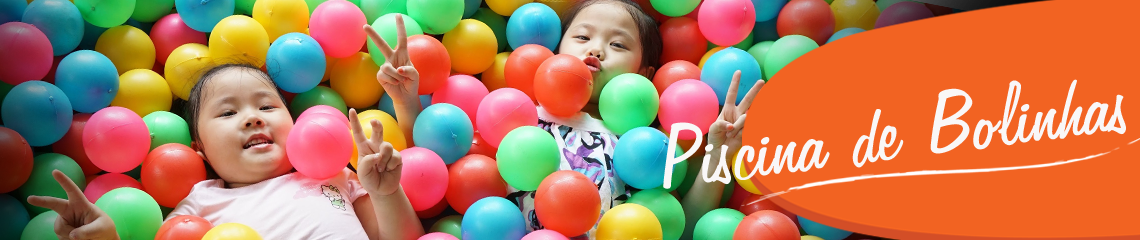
[[593, 63], [257, 141]]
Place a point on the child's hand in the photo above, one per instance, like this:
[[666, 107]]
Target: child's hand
[[730, 124], [78, 217], [380, 163], [398, 77]]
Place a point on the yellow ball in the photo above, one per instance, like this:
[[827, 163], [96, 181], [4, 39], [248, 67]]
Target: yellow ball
[[629, 221], [559, 6], [506, 7], [495, 77], [239, 39], [142, 91], [281, 16], [472, 46], [232, 231], [744, 171], [329, 63], [354, 78], [184, 66], [810, 237], [392, 132], [707, 55], [854, 13], [127, 47]]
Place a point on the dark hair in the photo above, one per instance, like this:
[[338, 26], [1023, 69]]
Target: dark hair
[[197, 94], [651, 46]]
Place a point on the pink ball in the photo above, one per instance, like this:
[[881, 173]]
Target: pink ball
[[336, 25], [25, 53], [325, 109], [319, 146], [116, 139], [688, 101], [728, 21], [170, 33], [107, 182], [438, 236], [424, 177], [903, 12], [504, 110], [463, 91], [544, 235]]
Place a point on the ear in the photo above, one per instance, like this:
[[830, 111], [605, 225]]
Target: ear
[[197, 146], [648, 72]]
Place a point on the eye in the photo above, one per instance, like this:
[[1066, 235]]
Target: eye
[[227, 113], [267, 108], [619, 45], [583, 38]]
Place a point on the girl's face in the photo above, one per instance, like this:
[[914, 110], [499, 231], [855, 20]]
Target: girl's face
[[243, 126], [606, 38]]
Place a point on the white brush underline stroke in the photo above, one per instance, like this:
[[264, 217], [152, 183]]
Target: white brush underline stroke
[[936, 172]]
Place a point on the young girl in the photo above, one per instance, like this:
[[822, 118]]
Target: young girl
[[240, 124]]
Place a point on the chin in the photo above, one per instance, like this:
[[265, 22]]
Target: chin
[[275, 161]]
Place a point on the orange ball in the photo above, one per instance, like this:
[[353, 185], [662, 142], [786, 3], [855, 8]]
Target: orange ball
[[480, 146], [475, 42], [767, 224], [568, 203], [674, 71], [522, 65], [184, 227], [354, 78], [431, 60], [471, 178], [495, 76], [170, 172], [563, 85]]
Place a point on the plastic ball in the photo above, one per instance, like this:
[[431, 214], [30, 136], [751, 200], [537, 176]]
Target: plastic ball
[[688, 101], [502, 111], [18, 158], [767, 224], [373, 9], [437, 236], [497, 24], [106, 13], [720, 223], [854, 14], [40, 227], [432, 211], [752, 204], [481, 147], [202, 16], [463, 91], [320, 146], [445, 129], [473, 40], [707, 55], [534, 23], [424, 171], [495, 76], [39, 111], [809, 237], [296, 62], [59, 20], [767, 9], [822, 231], [354, 78], [731, 24], [89, 79], [720, 68], [232, 231], [685, 40], [785, 50], [320, 95], [667, 209], [451, 225], [336, 26], [107, 182], [533, 156], [898, 13], [436, 16], [506, 7], [493, 218], [567, 202], [522, 65], [760, 52], [183, 67], [116, 139], [170, 172], [27, 53], [128, 48], [563, 85], [12, 11], [844, 33], [15, 217], [628, 101], [392, 132], [150, 11], [639, 158], [184, 227], [629, 221], [143, 91], [884, 4], [41, 182], [672, 72], [72, 144], [386, 27], [675, 8], [280, 17], [544, 234], [432, 61], [811, 18], [471, 178], [240, 39]]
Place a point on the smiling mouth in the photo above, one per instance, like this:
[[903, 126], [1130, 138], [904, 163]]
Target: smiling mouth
[[257, 140], [593, 63]]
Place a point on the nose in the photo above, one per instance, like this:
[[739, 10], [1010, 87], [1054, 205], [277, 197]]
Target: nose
[[254, 121], [596, 51]]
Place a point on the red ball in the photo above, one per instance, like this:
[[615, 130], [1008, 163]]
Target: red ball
[[170, 172], [738, 196], [433, 211], [903, 12], [683, 41], [522, 65], [170, 33], [750, 205], [107, 182], [18, 160], [810, 18], [563, 85], [568, 203], [50, 77], [674, 71], [71, 144], [27, 53], [471, 178], [184, 227], [481, 147], [463, 91], [431, 61], [767, 224], [648, 8]]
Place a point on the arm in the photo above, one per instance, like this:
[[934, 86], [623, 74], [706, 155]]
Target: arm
[[407, 110], [78, 217], [702, 197], [400, 221], [399, 78], [386, 212]]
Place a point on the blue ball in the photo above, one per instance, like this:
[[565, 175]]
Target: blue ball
[[765, 31], [12, 10], [203, 15], [89, 79], [59, 20], [425, 101], [639, 158], [534, 23], [844, 33], [767, 9], [718, 70], [14, 219], [389, 107], [822, 231], [493, 218], [295, 62], [444, 129], [38, 111], [470, 6], [91, 35]]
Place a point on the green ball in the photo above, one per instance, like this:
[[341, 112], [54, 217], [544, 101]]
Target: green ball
[[311, 3], [320, 95], [246, 7], [135, 213], [374, 9], [783, 51], [532, 155], [148, 11], [166, 127], [759, 51], [717, 224], [106, 13], [436, 16], [679, 171], [667, 209], [41, 182], [386, 27], [41, 227], [497, 23], [628, 101], [675, 8], [14, 219], [746, 43], [449, 225]]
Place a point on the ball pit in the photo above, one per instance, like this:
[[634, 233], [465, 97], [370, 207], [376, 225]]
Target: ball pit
[[437, 236], [497, 24], [150, 11], [392, 132], [450, 224], [445, 129], [12, 10], [822, 231], [675, 8], [506, 7], [767, 9], [373, 9], [844, 33], [41, 226], [116, 139], [544, 235], [320, 95], [502, 111], [854, 14], [534, 23]]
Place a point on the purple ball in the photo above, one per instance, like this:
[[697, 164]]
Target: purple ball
[[902, 12]]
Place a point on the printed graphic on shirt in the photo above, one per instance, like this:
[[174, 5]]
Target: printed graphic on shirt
[[334, 196]]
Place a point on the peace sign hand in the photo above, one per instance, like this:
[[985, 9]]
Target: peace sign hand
[[398, 77], [78, 217], [730, 124], [380, 164]]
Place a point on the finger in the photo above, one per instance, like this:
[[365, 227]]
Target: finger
[[409, 72], [750, 96], [380, 43], [357, 130], [385, 76], [53, 203], [391, 71], [377, 131], [62, 229], [730, 97], [401, 36], [73, 191], [93, 230], [394, 159], [739, 124]]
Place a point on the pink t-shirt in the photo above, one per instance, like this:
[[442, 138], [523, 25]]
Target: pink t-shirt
[[291, 206]]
